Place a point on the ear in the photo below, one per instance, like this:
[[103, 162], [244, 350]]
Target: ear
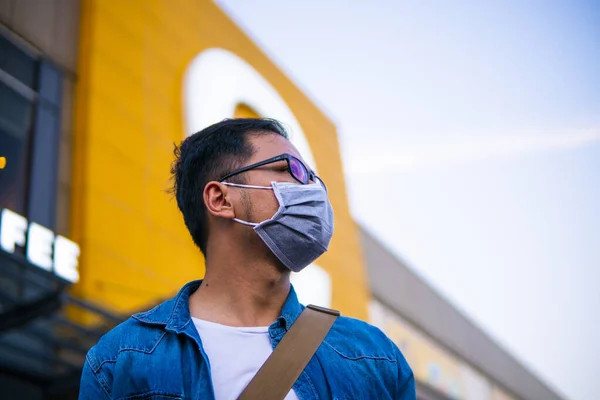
[[217, 199]]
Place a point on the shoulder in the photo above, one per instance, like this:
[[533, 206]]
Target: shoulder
[[355, 339], [359, 337], [131, 335], [124, 351]]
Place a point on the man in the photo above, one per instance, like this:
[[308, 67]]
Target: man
[[256, 211]]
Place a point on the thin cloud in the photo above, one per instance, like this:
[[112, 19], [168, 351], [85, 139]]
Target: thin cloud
[[440, 153]]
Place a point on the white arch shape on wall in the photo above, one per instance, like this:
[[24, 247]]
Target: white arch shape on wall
[[216, 82]]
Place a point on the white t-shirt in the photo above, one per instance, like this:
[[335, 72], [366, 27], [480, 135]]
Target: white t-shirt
[[235, 356]]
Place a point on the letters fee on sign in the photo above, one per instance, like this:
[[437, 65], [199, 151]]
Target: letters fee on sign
[[44, 249]]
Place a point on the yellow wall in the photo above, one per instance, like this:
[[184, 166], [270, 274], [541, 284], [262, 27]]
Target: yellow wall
[[244, 111], [133, 57]]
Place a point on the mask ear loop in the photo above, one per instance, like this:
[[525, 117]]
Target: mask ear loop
[[252, 224]]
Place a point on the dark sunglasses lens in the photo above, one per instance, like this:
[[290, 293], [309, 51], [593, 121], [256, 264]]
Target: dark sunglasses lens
[[298, 170]]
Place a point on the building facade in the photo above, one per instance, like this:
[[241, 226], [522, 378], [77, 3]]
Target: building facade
[[93, 94]]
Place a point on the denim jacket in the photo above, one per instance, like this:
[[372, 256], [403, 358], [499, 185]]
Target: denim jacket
[[158, 354]]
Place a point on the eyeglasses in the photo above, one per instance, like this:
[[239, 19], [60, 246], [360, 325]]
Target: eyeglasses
[[295, 167]]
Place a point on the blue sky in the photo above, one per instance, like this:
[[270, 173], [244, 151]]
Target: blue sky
[[471, 146]]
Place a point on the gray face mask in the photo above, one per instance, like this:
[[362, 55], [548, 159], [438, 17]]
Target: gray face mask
[[301, 229]]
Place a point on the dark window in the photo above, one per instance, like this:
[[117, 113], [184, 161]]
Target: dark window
[[17, 62], [15, 127], [30, 99]]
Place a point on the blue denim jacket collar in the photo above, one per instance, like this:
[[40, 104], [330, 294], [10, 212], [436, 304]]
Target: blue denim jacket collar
[[175, 316]]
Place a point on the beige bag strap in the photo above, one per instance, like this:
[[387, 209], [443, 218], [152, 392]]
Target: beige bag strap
[[278, 374]]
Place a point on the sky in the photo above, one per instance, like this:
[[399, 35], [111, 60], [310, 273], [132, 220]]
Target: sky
[[470, 139]]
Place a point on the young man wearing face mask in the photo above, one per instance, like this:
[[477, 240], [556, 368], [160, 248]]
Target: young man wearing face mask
[[256, 211]]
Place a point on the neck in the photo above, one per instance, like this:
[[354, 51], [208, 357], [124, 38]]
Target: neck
[[239, 292]]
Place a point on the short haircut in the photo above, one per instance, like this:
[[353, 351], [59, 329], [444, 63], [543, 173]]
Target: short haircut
[[208, 155]]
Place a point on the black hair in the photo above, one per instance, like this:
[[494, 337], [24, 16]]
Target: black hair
[[208, 155]]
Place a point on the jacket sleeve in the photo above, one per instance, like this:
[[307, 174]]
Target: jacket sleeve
[[90, 387], [406, 379], [407, 389]]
